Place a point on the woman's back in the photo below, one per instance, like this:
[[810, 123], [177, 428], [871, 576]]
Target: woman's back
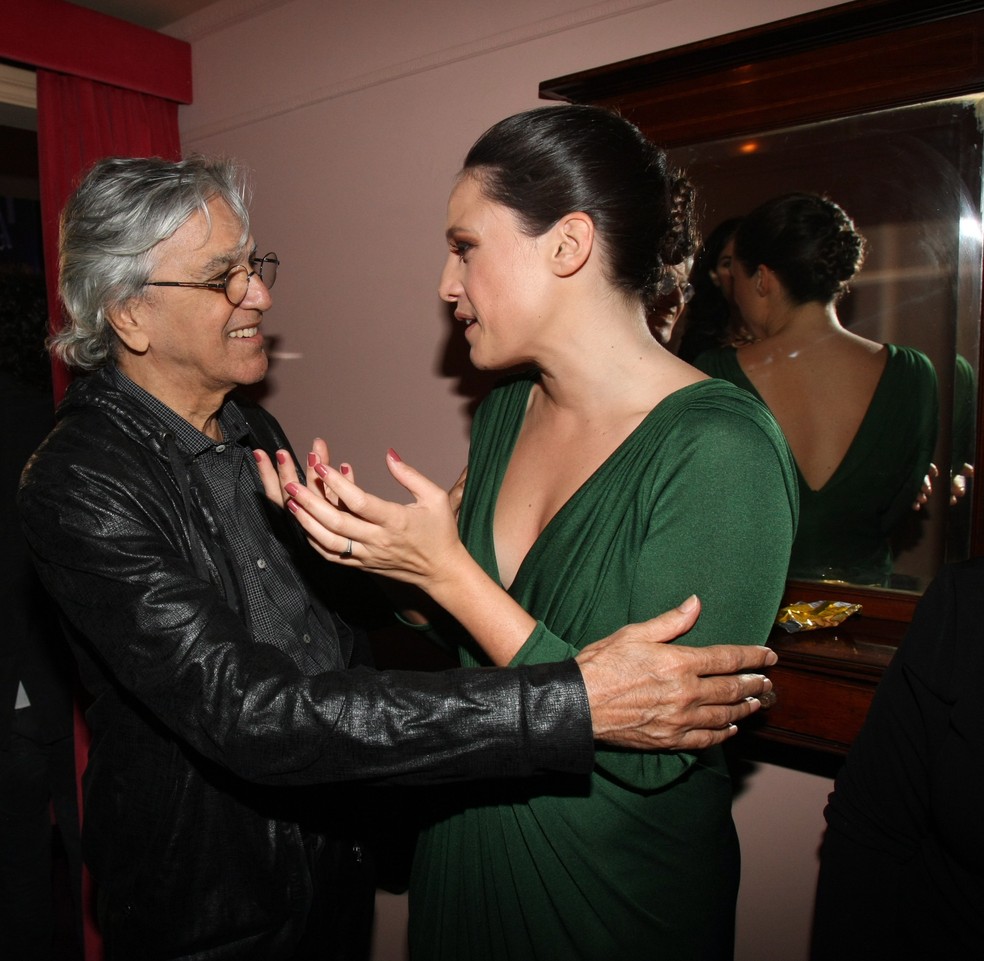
[[859, 417], [819, 388]]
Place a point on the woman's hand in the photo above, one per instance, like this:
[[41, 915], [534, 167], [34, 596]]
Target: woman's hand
[[457, 492], [960, 482], [926, 491], [274, 478], [416, 543]]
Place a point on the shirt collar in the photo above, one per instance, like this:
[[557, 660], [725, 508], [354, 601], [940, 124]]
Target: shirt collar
[[189, 438]]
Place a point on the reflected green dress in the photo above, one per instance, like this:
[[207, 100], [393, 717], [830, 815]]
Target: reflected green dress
[[845, 526], [640, 859]]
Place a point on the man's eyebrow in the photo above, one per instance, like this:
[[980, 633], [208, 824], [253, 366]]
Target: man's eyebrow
[[228, 258]]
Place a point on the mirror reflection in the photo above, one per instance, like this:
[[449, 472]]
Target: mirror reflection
[[911, 180]]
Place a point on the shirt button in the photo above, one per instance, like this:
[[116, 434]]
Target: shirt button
[[220, 448], [261, 564], [306, 638]]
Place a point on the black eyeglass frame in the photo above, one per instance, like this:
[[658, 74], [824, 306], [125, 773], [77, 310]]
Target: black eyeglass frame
[[223, 284]]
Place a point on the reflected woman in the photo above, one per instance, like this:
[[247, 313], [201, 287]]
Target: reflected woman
[[860, 417]]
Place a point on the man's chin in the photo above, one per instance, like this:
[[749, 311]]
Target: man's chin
[[256, 371]]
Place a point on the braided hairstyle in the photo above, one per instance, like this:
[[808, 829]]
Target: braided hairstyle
[[809, 241], [551, 161]]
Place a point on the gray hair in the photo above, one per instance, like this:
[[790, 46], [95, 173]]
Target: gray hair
[[119, 213]]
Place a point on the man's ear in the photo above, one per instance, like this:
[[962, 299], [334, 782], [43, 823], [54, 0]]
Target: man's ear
[[128, 322], [571, 241]]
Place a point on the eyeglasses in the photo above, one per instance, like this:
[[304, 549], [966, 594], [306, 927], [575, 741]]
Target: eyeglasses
[[670, 284], [235, 284]]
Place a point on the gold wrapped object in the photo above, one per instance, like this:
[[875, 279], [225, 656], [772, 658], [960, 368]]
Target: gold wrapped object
[[810, 615]]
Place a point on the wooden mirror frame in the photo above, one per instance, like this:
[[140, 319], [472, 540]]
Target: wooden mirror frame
[[853, 58]]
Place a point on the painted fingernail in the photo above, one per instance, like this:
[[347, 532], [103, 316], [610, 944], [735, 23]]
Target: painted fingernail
[[345, 469], [258, 456], [293, 506], [291, 489], [392, 453], [281, 457], [312, 460], [321, 470]]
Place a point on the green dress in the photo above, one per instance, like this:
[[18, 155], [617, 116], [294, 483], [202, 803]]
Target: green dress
[[845, 527], [639, 859]]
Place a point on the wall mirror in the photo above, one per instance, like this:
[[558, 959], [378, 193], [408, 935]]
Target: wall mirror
[[876, 103], [911, 179]]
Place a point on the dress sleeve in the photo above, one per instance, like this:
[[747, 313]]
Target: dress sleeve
[[721, 520], [910, 431]]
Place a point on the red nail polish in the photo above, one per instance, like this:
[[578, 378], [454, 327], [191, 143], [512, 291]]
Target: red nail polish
[[281, 457], [293, 506], [345, 469], [321, 470], [258, 456], [291, 489], [312, 460], [394, 455]]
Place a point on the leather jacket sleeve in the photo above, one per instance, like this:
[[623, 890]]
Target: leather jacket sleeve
[[104, 521]]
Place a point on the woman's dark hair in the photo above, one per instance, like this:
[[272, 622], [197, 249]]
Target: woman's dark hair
[[808, 241], [551, 161], [708, 318]]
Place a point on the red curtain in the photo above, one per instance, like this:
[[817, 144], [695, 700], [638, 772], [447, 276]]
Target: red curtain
[[79, 122]]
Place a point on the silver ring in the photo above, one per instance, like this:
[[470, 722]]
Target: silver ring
[[348, 550]]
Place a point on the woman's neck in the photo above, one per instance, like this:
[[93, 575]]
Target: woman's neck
[[609, 366]]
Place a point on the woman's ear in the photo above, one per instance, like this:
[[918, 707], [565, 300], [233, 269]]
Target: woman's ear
[[128, 323], [571, 241], [766, 281]]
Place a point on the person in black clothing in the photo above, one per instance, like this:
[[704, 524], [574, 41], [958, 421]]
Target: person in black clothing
[[902, 863], [37, 770]]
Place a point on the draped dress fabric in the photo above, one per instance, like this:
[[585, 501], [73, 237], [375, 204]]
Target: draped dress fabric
[[639, 859], [845, 526]]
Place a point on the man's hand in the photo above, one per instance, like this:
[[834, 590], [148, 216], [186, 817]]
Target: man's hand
[[645, 693]]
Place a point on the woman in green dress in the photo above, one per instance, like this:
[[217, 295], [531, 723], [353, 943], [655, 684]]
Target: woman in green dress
[[860, 417], [593, 499]]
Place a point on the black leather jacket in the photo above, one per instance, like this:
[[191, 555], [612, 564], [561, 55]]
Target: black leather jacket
[[204, 742]]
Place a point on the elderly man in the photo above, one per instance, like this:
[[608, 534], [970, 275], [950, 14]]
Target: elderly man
[[222, 694]]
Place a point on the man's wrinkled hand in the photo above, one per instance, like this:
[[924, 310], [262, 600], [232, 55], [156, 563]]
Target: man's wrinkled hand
[[647, 694]]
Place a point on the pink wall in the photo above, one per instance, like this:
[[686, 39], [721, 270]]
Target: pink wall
[[355, 117]]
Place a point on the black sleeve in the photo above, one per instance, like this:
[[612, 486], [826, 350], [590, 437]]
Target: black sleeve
[[104, 543]]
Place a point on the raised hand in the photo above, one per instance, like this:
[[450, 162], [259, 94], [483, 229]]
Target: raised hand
[[274, 478], [413, 542]]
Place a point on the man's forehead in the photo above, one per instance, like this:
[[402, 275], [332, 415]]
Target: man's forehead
[[214, 238]]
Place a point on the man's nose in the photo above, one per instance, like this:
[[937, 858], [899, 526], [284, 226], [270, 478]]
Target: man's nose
[[258, 296]]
